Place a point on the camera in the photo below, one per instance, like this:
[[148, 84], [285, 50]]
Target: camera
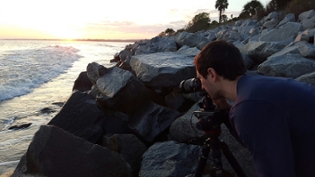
[[190, 85], [209, 119]]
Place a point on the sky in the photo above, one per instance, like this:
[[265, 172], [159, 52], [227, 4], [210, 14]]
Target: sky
[[101, 19]]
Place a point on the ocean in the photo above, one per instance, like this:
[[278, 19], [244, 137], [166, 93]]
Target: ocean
[[36, 79]]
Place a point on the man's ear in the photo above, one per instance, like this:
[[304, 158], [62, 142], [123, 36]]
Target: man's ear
[[212, 74]]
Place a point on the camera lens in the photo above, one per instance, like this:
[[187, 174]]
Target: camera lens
[[190, 85]]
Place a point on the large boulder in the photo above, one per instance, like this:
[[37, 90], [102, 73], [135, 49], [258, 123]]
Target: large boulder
[[259, 51], [122, 91], [306, 15], [129, 147], [54, 152], [82, 83], [81, 117], [290, 17], [288, 30], [170, 159], [290, 65], [156, 44], [184, 129], [95, 71], [151, 120], [163, 69]]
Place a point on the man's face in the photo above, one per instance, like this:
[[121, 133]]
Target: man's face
[[209, 85]]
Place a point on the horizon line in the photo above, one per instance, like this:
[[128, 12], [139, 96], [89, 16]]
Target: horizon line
[[92, 40]]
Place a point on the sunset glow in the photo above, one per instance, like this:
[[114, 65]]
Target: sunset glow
[[96, 19]]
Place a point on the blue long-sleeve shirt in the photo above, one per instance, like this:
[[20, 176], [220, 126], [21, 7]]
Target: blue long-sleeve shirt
[[274, 118]]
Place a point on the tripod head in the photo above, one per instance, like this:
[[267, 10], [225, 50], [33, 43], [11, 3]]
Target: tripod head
[[209, 118]]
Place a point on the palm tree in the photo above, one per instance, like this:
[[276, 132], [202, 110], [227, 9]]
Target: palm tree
[[221, 5]]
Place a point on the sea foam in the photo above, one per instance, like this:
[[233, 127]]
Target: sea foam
[[24, 70]]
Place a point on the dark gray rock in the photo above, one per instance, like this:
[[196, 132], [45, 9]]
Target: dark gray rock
[[54, 152], [307, 78], [188, 50], [307, 50], [151, 120], [115, 122], [290, 17], [163, 69], [19, 126], [170, 159], [290, 29], [259, 51], [129, 147], [95, 71], [306, 15], [81, 117], [156, 44], [289, 65], [82, 83], [122, 91], [184, 129]]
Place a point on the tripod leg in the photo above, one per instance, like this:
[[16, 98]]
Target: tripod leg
[[229, 156], [202, 161], [216, 154]]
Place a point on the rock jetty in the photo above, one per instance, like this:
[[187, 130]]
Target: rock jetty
[[132, 120]]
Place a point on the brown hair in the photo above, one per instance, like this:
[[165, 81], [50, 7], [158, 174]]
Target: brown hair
[[223, 57]]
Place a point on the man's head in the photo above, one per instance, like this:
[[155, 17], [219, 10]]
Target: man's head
[[223, 57], [219, 63]]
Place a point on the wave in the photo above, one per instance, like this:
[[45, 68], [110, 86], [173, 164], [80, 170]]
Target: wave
[[24, 70]]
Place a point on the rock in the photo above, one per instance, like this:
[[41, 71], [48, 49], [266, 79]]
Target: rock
[[272, 15], [169, 159], [289, 65], [290, 17], [124, 54], [54, 152], [188, 51], [82, 83], [151, 120], [175, 100], [122, 91], [19, 126], [290, 29], [306, 15], [307, 50], [115, 122], [307, 78], [259, 51], [156, 44], [166, 69], [129, 147], [270, 24], [189, 39], [308, 23], [184, 129], [81, 117], [307, 35], [95, 71], [47, 110]]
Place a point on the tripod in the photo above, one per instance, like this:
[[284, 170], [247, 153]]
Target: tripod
[[210, 122], [216, 145]]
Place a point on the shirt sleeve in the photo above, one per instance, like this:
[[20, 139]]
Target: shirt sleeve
[[263, 129]]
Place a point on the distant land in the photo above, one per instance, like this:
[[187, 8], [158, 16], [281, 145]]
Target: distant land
[[91, 40]]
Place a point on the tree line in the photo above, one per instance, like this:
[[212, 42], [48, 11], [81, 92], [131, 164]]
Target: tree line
[[252, 9]]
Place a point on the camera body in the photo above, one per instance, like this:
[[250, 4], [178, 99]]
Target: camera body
[[209, 118]]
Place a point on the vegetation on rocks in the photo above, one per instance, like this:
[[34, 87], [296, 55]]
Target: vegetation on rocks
[[251, 10]]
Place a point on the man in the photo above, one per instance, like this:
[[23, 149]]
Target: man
[[274, 118]]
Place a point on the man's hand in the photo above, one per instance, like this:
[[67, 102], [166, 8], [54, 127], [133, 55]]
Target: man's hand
[[221, 103]]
